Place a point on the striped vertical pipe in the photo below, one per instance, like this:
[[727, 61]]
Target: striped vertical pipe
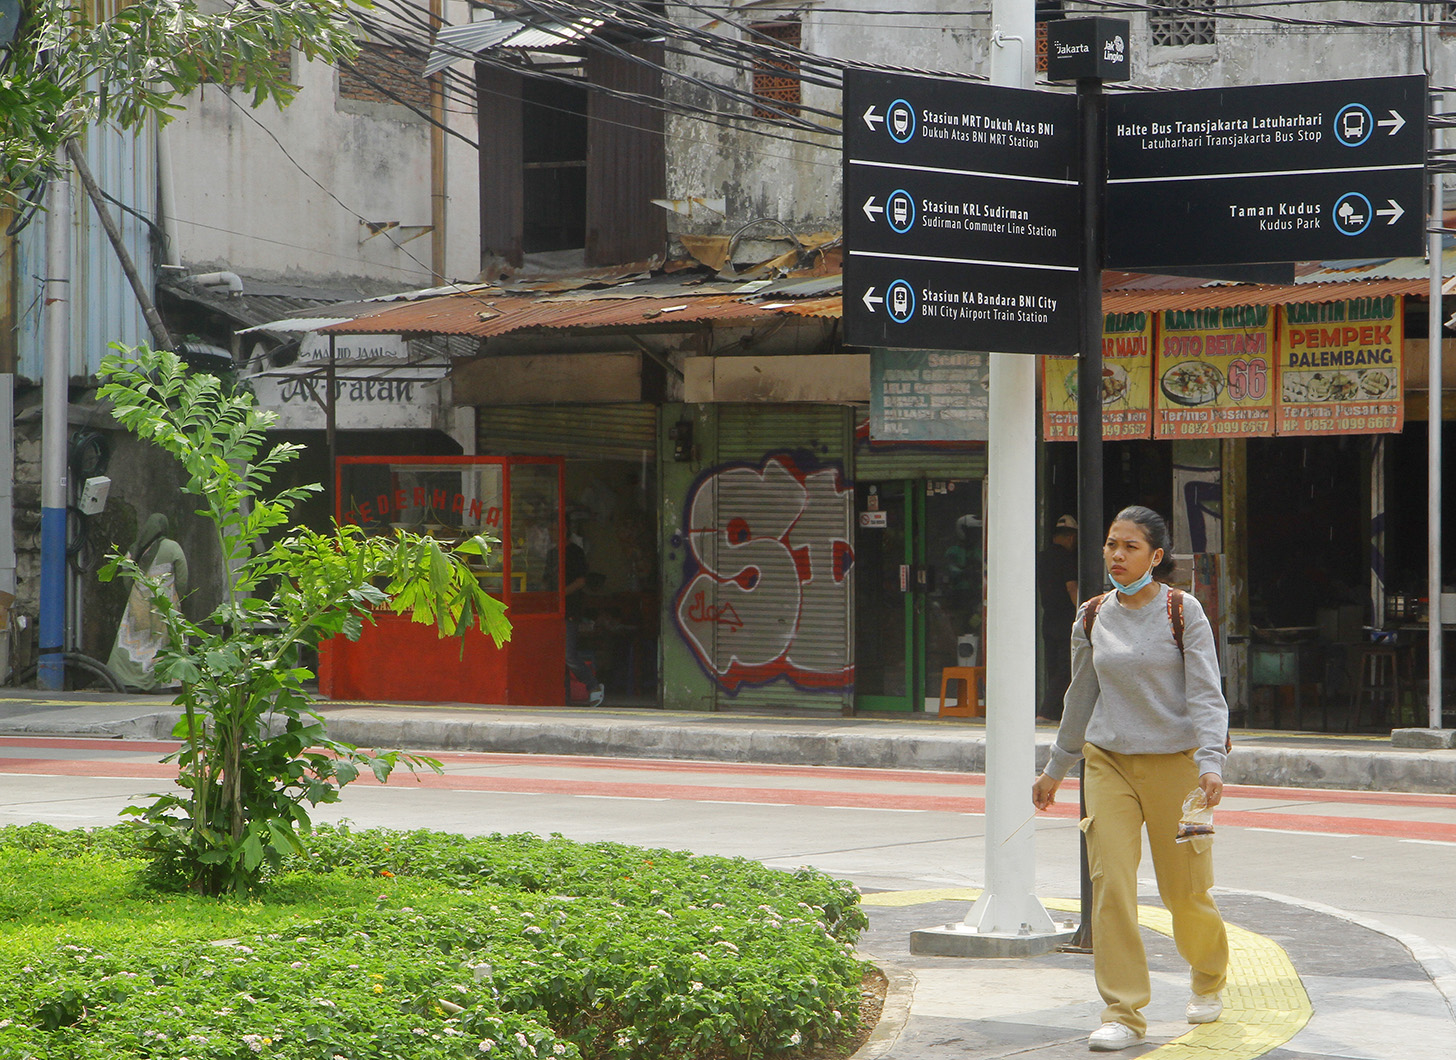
[[55, 397]]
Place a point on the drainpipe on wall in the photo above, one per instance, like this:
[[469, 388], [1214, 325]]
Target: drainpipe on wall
[[167, 197], [437, 157]]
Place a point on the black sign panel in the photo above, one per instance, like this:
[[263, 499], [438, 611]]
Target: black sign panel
[[1295, 172], [961, 216]]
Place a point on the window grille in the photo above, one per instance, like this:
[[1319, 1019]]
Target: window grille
[[776, 81], [1174, 23]]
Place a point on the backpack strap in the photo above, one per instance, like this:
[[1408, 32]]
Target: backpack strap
[[1089, 612], [1175, 616]]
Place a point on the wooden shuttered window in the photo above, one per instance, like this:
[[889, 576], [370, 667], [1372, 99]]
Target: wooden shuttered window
[[626, 163]]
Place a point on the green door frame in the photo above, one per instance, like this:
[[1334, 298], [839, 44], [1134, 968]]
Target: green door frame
[[913, 601]]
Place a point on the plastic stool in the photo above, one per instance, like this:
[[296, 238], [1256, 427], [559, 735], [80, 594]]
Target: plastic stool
[[972, 687]]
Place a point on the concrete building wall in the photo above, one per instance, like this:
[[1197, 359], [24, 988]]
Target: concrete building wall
[[289, 195]]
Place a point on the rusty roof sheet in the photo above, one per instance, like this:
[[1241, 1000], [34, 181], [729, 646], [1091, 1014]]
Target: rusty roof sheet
[[487, 313], [488, 316], [1254, 294]]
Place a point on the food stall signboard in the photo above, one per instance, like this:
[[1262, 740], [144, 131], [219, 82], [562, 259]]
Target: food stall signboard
[[1215, 373], [1340, 367], [1127, 380]]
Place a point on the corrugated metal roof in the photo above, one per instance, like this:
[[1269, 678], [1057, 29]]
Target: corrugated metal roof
[[455, 42], [484, 317], [660, 306], [1253, 294], [295, 324]]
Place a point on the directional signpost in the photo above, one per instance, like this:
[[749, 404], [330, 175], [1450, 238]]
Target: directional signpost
[[962, 217], [1300, 172]]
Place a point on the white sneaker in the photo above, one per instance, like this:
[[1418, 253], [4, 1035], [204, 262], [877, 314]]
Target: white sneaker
[[1110, 1037], [1204, 1008], [594, 699]]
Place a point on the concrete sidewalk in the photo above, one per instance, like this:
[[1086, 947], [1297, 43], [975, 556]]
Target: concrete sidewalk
[[1306, 981], [1261, 757]]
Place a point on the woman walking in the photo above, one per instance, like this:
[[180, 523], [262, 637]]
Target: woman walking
[[1146, 711]]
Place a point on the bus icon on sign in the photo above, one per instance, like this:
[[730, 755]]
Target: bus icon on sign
[[1353, 124]]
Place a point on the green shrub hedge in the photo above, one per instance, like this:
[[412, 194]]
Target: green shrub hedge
[[418, 946]]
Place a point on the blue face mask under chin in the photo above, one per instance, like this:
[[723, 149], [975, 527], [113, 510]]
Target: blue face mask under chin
[[1128, 590]]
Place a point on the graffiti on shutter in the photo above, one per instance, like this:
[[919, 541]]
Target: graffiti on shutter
[[766, 592]]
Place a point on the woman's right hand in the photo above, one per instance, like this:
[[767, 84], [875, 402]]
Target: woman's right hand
[[1044, 792]]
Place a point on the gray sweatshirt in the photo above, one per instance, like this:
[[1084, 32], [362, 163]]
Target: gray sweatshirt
[[1132, 693]]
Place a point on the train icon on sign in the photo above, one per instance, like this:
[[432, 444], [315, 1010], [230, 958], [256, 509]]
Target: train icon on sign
[[900, 211], [900, 301], [901, 121]]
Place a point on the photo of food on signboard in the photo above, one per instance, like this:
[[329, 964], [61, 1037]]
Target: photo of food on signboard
[[1347, 385], [1114, 384], [1192, 383]]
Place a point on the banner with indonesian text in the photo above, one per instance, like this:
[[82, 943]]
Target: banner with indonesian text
[[1127, 379], [1340, 367], [1215, 373]]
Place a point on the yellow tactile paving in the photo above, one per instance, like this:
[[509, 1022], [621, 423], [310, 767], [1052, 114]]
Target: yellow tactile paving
[[1265, 1004]]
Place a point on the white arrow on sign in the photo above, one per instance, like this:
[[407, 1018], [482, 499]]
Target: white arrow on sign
[[870, 209], [1395, 213], [870, 117], [870, 300], [1395, 121]]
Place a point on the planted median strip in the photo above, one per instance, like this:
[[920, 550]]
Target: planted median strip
[[422, 945]]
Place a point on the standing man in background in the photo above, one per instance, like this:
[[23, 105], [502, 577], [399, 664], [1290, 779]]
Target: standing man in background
[[1056, 582]]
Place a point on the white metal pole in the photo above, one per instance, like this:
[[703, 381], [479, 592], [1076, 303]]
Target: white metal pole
[[1009, 904], [1433, 441]]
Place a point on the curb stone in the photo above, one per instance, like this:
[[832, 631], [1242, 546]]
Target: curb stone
[[899, 994]]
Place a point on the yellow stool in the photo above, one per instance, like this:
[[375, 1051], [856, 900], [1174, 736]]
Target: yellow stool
[[972, 681]]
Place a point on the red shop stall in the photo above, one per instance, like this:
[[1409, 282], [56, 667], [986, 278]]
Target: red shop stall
[[515, 500]]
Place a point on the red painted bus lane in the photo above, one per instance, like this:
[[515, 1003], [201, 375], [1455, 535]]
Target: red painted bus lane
[[758, 784]]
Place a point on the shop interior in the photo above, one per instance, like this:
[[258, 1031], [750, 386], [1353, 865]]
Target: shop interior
[[609, 513]]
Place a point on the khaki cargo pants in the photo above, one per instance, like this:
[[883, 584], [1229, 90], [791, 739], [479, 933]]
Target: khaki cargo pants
[[1124, 792]]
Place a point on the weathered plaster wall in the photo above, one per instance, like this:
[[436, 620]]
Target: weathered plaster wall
[[796, 180], [292, 212]]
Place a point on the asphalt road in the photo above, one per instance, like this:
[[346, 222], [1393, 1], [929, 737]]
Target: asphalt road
[[1387, 858]]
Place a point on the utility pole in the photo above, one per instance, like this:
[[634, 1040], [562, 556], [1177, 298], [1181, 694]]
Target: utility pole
[[55, 403]]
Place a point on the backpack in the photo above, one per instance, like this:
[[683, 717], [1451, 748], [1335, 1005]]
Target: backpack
[[1175, 614]]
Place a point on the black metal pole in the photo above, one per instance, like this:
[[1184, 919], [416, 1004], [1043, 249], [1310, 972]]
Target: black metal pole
[[1092, 111]]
